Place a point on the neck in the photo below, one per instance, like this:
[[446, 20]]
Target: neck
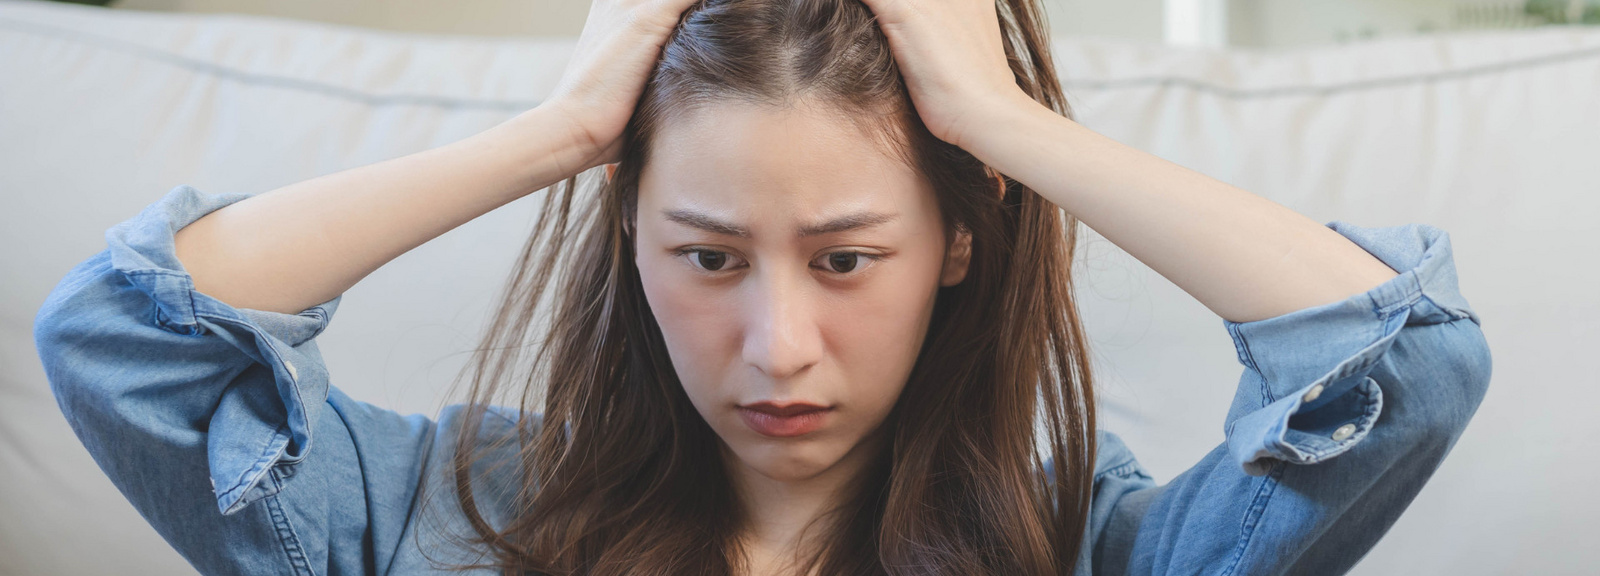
[[779, 510]]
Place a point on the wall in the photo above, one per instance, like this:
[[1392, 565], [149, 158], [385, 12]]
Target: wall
[[1131, 19]]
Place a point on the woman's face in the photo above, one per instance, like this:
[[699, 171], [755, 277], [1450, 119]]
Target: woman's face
[[788, 259]]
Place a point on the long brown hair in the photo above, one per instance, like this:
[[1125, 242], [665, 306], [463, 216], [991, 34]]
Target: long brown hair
[[623, 476]]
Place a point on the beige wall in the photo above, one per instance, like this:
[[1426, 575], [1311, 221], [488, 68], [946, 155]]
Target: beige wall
[[482, 17], [1295, 22], [1132, 19], [1256, 23]]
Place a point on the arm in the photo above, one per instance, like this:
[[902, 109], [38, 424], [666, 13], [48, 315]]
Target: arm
[[198, 386], [305, 243], [302, 244], [1243, 256], [1341, 416], [1358, 380]]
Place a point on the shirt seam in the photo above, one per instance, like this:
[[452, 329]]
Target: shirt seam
[[264, 460], [287, 538], [1120, 470], [294, 384], [1252, 517], [1250, 361], [1454, 312], [1413, 293]]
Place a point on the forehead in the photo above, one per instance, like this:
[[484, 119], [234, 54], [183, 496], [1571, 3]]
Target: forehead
[[749, 161]]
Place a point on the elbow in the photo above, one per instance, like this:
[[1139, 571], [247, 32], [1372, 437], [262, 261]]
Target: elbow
[[88, 322], [62, 330], [1458, 368]]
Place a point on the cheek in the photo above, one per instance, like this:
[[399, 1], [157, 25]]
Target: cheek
[[876, 331], [697, 330]]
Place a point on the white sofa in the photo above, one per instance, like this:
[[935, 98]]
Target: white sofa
[[1493, 137]]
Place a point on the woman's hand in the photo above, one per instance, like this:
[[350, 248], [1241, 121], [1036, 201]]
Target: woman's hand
[[619, 46], [954, 64]]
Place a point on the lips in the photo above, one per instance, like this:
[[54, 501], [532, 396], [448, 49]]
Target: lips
[[784, 420], [789, 409]]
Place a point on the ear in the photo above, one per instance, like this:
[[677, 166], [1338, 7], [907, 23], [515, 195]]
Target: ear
[[957, 257]]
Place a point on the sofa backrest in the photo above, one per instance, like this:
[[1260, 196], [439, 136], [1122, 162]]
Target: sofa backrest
[[1493, 137]]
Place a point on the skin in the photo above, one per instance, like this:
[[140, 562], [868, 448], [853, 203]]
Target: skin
[[767, 313], [1242, 256], [778, 328]]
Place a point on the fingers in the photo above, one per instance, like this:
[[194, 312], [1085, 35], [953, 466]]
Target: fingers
[[898, 12], [662, 14]]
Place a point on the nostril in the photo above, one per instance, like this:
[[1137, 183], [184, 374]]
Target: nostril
[[783, 337]]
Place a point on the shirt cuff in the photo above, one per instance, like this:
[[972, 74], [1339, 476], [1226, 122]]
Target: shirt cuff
[[1305, 394], [254, 428]]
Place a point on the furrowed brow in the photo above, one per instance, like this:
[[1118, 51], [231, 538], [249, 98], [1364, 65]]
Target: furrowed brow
[[846, 223], [705, 222]]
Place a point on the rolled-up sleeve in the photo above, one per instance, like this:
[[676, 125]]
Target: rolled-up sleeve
[[1308, 393], [205, 416], [1342, 413], [128, 342]]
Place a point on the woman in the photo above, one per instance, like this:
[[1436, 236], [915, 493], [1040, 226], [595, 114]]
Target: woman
[[805, 327]]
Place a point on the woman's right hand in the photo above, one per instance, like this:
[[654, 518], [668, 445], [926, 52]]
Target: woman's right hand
[[619, 46]]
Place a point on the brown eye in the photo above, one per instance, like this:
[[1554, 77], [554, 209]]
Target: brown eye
[[842, 262], [711, 260], [707, 260]]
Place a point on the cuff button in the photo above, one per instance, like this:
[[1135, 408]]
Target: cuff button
[[292, 374], [1312, 394], [1344, 432]]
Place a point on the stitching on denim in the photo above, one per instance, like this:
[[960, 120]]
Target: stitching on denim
[[294, 382], [265, 460], [1243, 346], [156, 315], [320, 316], [1120, 470], [1252, 517], [188, 292], [1315, 455], [1454, 312], [1413, 294], [287, 538]]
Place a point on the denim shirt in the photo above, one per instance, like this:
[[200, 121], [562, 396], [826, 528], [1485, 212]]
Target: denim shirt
[[222, 428]]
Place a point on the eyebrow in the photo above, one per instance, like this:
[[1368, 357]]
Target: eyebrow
[[711, 224]]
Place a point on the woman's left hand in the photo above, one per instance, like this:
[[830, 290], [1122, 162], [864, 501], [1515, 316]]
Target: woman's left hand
[[953, 61]]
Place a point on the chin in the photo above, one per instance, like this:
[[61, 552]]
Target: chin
[[786, 460]]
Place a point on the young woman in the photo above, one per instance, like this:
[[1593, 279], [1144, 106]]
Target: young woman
[[802, 326]]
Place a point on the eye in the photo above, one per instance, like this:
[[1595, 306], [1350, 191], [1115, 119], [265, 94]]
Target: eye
[[845, 262], [709, 260]]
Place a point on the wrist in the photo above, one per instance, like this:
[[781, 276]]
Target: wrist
[[539, 147], [1004, 126]]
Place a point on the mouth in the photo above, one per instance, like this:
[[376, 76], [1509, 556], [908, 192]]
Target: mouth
[[784, 420], [785, 409]]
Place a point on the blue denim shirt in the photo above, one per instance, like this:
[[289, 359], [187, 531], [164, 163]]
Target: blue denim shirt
[[221, 426]]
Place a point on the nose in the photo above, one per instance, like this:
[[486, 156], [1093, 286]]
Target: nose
[[782, 337]]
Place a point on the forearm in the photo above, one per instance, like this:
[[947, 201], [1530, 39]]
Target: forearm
[[1244, 257], [302, 244]]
